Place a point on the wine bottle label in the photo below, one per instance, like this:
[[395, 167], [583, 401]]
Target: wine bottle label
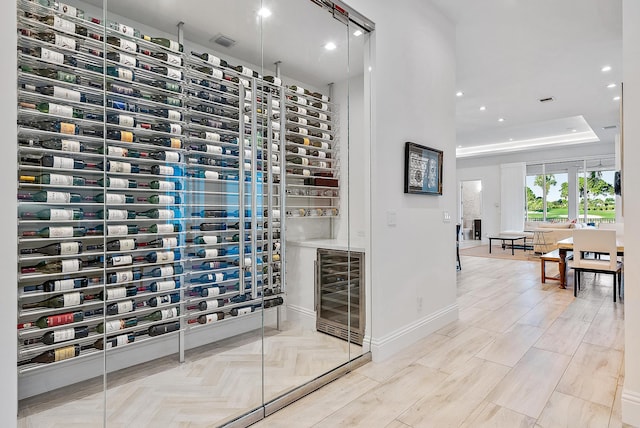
[[127, 244], [176, 143], [323, 107], [275, 104], [275, 213], [211, 136], [63, 335], [166, 270], [61, 319], [174, 115], [166, 214], [274, 147], [275, 126], [164, 228], [128, 45], [214, 291], [303, 131], [166, 200], [124, 307], [65, 42], [117, 230], [117, 151], [63, 285], [247, 95], [58, 197], [247, 71], [247, 261], [301, 110], [60, 110], [66, 94], [52, 56], [127, 60], [245, 82], [217, 150], [163, 300], [321, 164], [123, 339], [277, 81], [64, 353], [168, 313], [326, 136], [323, 116], [210, 239], [169, 242], [69, 146], [211, 318], [67, 248], [218, 277], [71, 299], [174, 46], [172, 73], [121, 28], [218, 74], [60, 214], [125, 74], [115, 198], [299, 90], [165, 285], [166, 185], [324, 145], [115, 166], [124, 120], [213, 60], [244, 311], [165, 256], [322, 155], [67, 128], [66, 163], [302, 121], [165, 170], [66, 9], [117, 214], [116, 293], [210, 252], [175, 128], [63, 24], [61, 180], [111, 326], [300, 151], [305, 172], [174, 59], [212, 304], [126, 136], [121, 260], [275, 169], [212, 175], [61, 232], [117, 183], [70, 265], [124, 276]]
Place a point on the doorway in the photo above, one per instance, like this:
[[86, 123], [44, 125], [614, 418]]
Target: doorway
[[471, 209]]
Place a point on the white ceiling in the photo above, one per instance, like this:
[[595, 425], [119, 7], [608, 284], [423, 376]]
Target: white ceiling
[[511, 53]]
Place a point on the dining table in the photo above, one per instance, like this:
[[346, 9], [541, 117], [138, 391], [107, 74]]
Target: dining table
[[566, 245]]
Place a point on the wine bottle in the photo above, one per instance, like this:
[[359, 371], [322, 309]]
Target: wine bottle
[[171, 142], [167, 43], [212, 291], [116, 166], [167, 57], [54, 266], [118, 293], [164, 271], [247, 225], [112, 342], [172, 101], [211, 59], [235, 312], [122, 120], [54, 355], [121, 307], [124, 136], [210, 226], [56, 320], [58, 301], [52, 197], [164, 300], [57, 39], [119, 229], [124, 29], [211, 265], [210, 278], [57, 232], [54, 179], [123, 59], [61, 285], [166, 85], [161, 199], [210, 304], [114, 198], [124, 276], [55, 126], [297, 160], [123, 44], [55, 109], [207, 253], [272, 302], [161, 243], [161, 315], [121, 73], [165, 185], [167, 170], [218, 239], [165, 228], [163, 256], [171, 73], [51, 56], [272, 79], [157, 330], [51, 74], [298, 140], [61, 335], [168, 285], [116, 325], [64, 162], [122, 105], [54, 214], [56, 249], [161, 213], [113, 214], [208, 318]]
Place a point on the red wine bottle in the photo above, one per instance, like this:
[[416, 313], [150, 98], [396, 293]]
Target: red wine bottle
[[54, 355], [157, 330]]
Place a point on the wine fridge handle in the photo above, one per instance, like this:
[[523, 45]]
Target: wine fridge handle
[[316, 282]]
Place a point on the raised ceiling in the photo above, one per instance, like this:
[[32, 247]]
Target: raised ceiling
[[512, 53]]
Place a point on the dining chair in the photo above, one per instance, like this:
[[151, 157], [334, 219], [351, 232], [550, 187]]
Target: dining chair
[[597, 241]]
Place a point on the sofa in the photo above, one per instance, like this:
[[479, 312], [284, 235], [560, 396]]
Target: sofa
[[545, 235]]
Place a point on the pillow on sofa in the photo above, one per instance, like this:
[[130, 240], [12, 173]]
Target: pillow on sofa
[[555, 225]]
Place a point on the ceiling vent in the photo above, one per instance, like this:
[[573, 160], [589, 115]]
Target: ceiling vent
[[223, 40], [609, 127], [546, 100]]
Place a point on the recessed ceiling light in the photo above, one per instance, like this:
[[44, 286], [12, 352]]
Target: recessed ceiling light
[[574, 130], [358, 33], [459, 94], [264, 12], [330, 46], [482, 108], [616, 98], [510, 139], [611, 85], [501, 119], [606, 68], [459, 145]]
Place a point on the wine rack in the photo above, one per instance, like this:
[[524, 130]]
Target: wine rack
[[154, 185], [312, 155]]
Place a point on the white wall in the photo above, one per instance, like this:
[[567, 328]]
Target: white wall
[[631, 178], [8, 215], [413, 262]]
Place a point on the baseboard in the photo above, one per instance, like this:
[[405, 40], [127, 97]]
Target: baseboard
[[306, 318], [386, 346], [631, 407]]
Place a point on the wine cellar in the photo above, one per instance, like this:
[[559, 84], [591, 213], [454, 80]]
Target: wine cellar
[[155, 187]]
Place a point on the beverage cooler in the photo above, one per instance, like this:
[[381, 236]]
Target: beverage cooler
[[340, 294]]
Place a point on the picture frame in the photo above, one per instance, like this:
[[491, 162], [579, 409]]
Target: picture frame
[[422, 169]]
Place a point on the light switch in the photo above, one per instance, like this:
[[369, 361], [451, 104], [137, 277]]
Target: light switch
[[391, 218], [446, 217]]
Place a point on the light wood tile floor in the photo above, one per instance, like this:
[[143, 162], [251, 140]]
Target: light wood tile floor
[[522, 354]]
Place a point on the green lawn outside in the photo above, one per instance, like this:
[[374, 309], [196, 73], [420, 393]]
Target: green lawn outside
[[561, 213]]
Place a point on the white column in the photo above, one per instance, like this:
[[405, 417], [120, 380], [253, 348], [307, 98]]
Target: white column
[[512, 202], [572, 198]]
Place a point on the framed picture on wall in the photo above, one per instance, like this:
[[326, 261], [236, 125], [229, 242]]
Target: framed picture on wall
[[422, 169]]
